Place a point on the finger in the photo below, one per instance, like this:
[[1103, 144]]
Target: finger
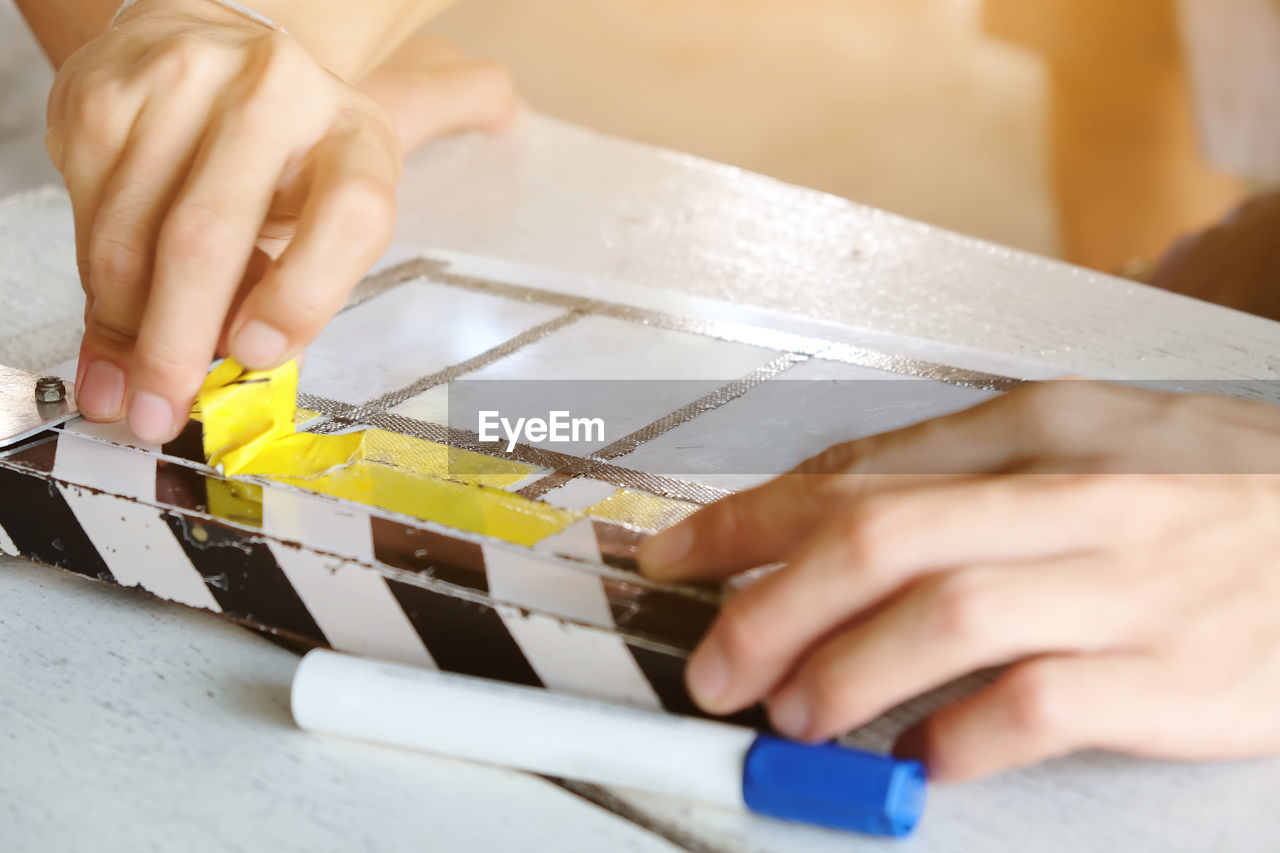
[[762, 525], [204, 246], [874, 547], [345, 227], [427, 99], [86, 146], [259, 264], [745, 530], [1046, 708], [945, 627], [425, 50], [59, 92], [122, 244], [89, 138], [55, 144], [1004, 434]]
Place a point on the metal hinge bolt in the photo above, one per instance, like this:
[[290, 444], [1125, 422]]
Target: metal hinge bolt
[[50, 389]]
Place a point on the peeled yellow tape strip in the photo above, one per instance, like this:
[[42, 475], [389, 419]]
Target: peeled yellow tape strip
[[249, 425], [250, 429]]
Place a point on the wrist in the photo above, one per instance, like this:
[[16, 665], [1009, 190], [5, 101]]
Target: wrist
[[321, 38], [232, 5], [350, 39]]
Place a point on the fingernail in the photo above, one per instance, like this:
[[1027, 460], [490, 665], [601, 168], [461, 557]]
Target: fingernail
[[100, 394], [664, 551], [259, 345], [708, 676], [150, 417], [790, 715]]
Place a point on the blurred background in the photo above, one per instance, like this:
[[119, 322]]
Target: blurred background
[[1064, 127], [900, 104]]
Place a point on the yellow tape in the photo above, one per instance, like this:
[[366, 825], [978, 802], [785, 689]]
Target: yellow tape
[[432, 459], [479, 509], [250, 428], [641, 509], [249, 425], [235, 500]]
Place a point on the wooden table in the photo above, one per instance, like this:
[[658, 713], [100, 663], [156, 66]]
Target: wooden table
[[128, 724]]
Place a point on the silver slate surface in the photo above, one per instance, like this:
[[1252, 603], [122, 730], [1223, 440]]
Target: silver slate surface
[[129, 724]]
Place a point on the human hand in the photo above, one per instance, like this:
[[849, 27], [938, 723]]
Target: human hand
[[228, 192], [1235, 262], [431, 88], [1117, 549]]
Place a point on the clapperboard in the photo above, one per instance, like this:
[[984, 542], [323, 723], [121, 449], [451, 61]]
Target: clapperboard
[[701, 398]]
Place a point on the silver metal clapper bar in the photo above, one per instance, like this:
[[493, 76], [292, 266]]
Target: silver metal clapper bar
[[31, 403]]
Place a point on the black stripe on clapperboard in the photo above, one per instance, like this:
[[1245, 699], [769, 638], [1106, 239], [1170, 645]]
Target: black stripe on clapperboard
[[464, 636], [243, 576], [189, 444], [453, 561], [41, 524], [665, 673]]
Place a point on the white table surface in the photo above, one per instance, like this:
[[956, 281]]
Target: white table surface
[[127, 724]]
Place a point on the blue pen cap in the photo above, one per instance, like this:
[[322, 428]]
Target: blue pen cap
[[833, 786]]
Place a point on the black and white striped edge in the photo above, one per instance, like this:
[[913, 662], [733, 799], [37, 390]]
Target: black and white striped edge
[[327, 573]]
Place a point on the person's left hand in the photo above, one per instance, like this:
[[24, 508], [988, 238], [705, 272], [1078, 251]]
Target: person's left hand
[[1117, 549]]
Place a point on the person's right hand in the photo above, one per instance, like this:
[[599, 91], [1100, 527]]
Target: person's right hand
[[228, 193]]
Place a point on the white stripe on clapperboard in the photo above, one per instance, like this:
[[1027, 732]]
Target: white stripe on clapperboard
[[349, 602], [574, 659], [105, 467], [567, 657], [132, 538], [138, 547], [6, 544]]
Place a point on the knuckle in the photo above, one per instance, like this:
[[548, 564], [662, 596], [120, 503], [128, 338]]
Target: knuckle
[[185, 56], [117, 335], [723, 525], [116, 265], [740, 630], [1067, 410], [963, 605], [162, 363], [1102, 466], [1182, 411], [841, 457], [279, 68], [95, 108], [302, 314], [1035, 703], [384, 138], [369, 205], [197, 232], [82, 267], [272, 85], [55, 141], [1043, 407], [869, 532], [1109, 481], [835, 488], [832, 695], [498, 81]]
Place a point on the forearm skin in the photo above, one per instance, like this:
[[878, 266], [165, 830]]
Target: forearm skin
[[348, 37]]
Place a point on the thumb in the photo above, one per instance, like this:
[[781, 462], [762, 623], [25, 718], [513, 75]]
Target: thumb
[[428, 100]]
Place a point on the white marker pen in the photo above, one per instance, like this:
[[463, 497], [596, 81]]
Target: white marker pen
[[542, 732]]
